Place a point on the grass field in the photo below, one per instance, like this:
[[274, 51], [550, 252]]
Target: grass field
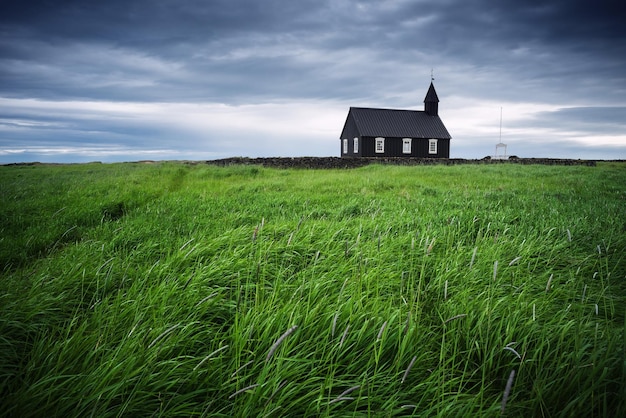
[[191, 290]]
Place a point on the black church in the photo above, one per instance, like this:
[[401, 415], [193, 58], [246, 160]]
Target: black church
[[370, 132]]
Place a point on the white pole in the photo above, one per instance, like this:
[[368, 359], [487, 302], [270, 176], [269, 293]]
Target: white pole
[[500, 124]]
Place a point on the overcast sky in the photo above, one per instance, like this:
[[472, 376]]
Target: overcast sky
[[204, 79]]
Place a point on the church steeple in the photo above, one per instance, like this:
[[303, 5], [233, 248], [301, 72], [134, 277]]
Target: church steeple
[[431, 102]]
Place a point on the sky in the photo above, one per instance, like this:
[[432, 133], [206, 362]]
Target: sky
[[136, 80]]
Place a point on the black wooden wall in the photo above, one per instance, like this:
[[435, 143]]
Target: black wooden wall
[[393, 148]]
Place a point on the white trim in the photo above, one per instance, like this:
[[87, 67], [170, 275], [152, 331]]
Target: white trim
[[356, 145], [379, 145], [432, 146], [406, 145], [345, 146]]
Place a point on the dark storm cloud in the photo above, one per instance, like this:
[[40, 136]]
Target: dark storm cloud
[[565, 54], [159, 50], [197, 49], [595, 120]]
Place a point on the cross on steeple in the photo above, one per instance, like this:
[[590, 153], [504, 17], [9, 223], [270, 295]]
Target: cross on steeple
[[431, 75]]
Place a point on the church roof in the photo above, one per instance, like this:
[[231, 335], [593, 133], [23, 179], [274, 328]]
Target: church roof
[[397, 123]]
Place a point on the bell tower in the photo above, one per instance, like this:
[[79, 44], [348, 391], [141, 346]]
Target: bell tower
[[431, 101]]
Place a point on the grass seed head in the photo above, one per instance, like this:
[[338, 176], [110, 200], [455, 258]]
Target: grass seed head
[[347, 391], [549, 282], [473, 257], [163, 334], [243, 390], [408, 369], [454, 317], [515, 260], [241, 368], [407, 323], [507, 391], [430, 247], [382, 329], [512, 350], [332, 332], [279, 341], [209, 356], [345, 334], [347, 398], [255, 233]]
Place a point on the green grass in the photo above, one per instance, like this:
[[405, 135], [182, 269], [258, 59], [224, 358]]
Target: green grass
[[180, 290]]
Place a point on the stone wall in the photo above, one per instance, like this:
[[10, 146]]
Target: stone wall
[[337, 162]]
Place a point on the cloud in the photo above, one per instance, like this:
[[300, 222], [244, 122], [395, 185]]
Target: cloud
[[189, 130], [264, 78]]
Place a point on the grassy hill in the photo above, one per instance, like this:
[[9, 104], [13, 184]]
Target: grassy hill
[[170, 289]]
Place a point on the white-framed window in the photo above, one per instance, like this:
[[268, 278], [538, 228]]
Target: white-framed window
[[356, 145], [345, 146], [432, 146], [380, 145], [406, 145]]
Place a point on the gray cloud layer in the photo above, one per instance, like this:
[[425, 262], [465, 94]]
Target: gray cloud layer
[[566, 58]]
